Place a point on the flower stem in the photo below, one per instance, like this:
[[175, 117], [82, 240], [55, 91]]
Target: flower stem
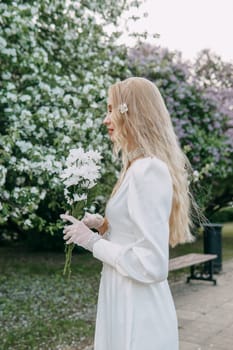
[[68, 252]]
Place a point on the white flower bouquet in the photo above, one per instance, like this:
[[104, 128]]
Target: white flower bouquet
[[82, 170]]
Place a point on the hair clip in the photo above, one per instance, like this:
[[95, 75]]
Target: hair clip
[[123, 108]]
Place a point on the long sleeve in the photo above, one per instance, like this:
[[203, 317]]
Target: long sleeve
[[149, 201]]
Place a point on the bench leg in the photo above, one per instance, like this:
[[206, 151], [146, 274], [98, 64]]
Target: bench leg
[[211, 271], [203, 274], [192, 274]]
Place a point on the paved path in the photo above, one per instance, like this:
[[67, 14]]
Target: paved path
[[205, 312]]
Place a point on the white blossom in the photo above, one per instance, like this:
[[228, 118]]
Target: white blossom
[[24, 146], [3, 42], [196, 175], [3, 172], [58, 91], [10, 86], [11, 96], [6, 75], [89, 123], [81, 170], [9, 52], [28, 223], [78, 198], [66, 139], [75, 154], [25, 98], [20, 180], [6, 195], [34, 190]]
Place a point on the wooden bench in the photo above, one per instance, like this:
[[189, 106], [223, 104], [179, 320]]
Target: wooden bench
[[201, 266]]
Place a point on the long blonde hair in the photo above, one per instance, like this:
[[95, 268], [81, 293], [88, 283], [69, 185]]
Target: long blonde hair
[[147, 121]]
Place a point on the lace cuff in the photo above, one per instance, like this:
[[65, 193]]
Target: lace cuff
[[91, 241]]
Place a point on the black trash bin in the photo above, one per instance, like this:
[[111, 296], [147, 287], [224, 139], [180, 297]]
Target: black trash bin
[[213, 243]]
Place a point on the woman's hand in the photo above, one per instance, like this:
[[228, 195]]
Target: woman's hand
[[93, 220], [79, 233], [96, 221]]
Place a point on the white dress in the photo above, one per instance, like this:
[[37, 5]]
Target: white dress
[[135, 308]]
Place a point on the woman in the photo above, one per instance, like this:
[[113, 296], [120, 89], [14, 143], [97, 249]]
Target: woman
[[148, 209]]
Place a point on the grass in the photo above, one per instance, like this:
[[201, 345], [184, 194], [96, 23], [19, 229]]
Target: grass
[[40, 309]]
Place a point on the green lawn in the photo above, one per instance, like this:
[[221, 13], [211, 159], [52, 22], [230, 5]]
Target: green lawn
[[39, 309]]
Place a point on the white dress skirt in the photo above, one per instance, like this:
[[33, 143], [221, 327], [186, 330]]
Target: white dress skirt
[[135, 308]]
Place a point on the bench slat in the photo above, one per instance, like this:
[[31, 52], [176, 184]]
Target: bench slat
[[189, 260]]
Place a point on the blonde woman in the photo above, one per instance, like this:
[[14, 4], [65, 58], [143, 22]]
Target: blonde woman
[[148, 209]]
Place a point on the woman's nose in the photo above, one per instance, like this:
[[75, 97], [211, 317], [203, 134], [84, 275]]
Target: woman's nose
[[106, 120]]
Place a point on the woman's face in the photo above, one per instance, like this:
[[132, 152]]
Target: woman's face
[[108, 122]]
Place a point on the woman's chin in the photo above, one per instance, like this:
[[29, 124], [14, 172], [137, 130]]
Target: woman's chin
[[111, 136]]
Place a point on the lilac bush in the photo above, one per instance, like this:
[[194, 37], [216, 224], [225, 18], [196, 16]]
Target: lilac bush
[[216, 76], [201, 114]]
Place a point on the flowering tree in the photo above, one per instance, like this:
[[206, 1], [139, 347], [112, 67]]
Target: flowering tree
[[56, 64], [216, 76], [200, 120]]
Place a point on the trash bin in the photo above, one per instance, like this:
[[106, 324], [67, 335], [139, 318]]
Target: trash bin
[[213, 244]]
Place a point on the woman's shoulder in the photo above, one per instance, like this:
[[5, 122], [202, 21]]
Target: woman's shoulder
[[150, 170], [150, 174], [143, 166]]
